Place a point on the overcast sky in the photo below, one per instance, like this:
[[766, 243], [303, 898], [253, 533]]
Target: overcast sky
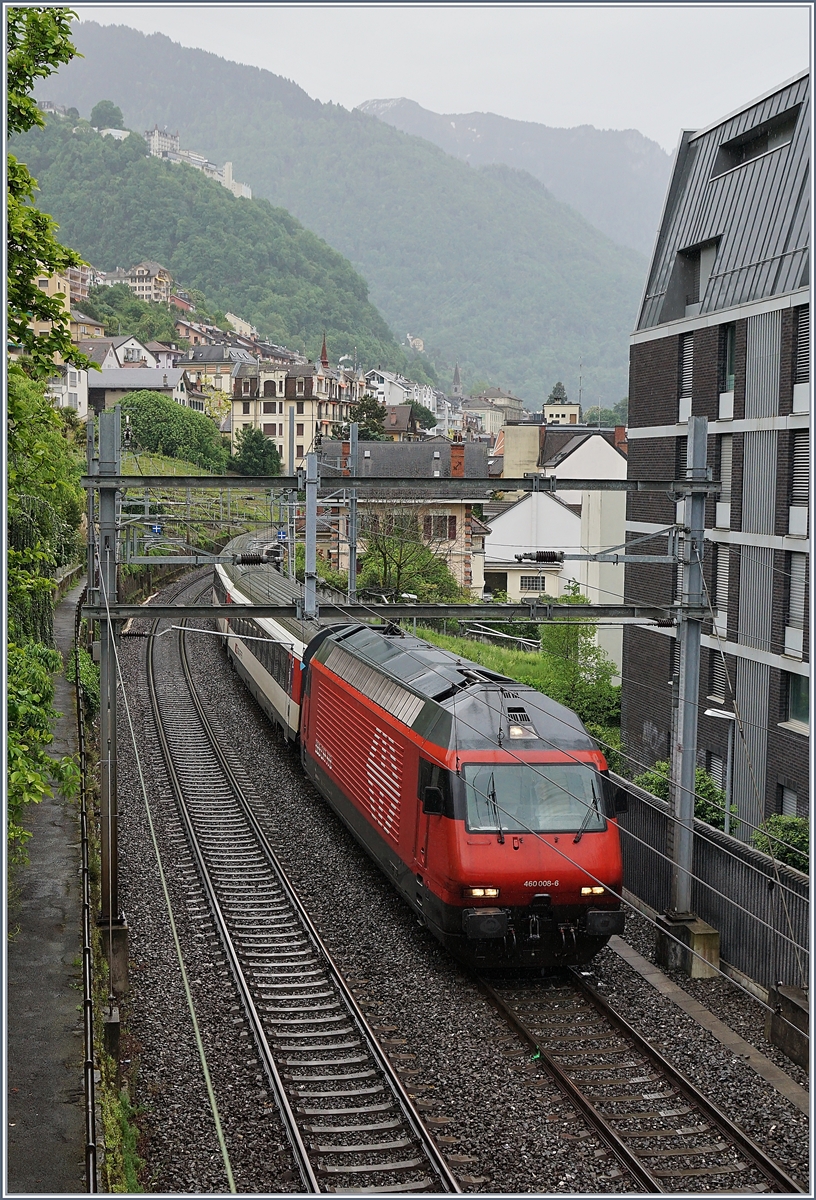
[[652, 67]]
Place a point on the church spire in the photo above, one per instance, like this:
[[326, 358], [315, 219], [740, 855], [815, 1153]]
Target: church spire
[[457, 382], [324, 354]]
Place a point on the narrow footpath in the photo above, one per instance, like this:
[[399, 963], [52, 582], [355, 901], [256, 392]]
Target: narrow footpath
[[46, 1132]]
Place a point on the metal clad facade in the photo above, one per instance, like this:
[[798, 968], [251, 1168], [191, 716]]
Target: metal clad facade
[[390, 696], [759, 210], [751, 742], [764, 336]]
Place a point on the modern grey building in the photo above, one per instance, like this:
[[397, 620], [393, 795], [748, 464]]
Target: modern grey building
[[724, 331]]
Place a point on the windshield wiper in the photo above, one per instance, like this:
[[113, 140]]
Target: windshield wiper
[[491, 795], [589, 812]]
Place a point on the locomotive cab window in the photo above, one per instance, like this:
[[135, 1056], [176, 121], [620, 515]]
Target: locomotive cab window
[[539, 798], [436, 778]]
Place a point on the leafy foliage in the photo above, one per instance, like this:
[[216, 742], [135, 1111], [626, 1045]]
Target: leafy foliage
[[585, 671], [327, 573], [119, 206], [425, 418], [37, 42], [31, 773], [397, 558], [370, 417], [88, 681], [786, 838], [164, 427], [558, 395], [123, 313], [606, 418], [255, 454], [106, 115], [481, 262], [709, 798]]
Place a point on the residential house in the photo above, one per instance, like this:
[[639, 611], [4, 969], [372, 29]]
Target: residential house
[[55, 285], [241, 326], [511, 406], [108, 387], [488, 415], [181, 301], [724, 332], [212, 365], [562, 414], [69, 389], [448, 525], [147, 280], [194, 332], [166, 354], [400, 424], [124, 351], [83, 326], [80, 281]]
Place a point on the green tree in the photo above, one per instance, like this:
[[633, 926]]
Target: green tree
[[161, 426], [398, 559], [786, 838], [370, 417], [709, 797], [425, 418], [107, 115], [37, 42], [558, 395], [585, 671], [122, 313], [608, 417], [255, 454]]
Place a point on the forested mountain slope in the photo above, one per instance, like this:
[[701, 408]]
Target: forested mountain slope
[[483, 264], [117, 206], [616, 178]]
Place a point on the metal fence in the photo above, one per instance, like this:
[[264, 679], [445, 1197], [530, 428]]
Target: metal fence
[[760, 908]]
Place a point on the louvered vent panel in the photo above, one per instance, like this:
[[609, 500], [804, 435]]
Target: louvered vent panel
[[716, 769], [800, 491], [686, 363], [723, 556], [726, 460], [802, 366], [719, 682], [390, 696], [796, 607]]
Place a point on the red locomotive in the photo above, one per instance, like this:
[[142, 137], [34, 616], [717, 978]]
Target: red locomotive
[[486, 804]]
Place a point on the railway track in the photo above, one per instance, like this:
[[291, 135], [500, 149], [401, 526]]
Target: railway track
[[659, 1127], [351, 1122]]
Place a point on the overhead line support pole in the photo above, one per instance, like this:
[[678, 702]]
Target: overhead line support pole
[[354, 430], [310, 589]]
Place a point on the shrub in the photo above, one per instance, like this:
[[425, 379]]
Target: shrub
[[162, 426], [786, 839], [709, 798]]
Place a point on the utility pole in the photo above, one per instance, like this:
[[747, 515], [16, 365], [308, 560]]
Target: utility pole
[[310, 589], [684, 940], [112, 924], [354, 429]]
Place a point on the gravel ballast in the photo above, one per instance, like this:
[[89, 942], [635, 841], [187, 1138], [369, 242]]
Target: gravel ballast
[[502, 1120]]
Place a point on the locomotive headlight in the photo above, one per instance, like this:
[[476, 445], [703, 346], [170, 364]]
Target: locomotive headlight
[[478, 893], [592, 891]]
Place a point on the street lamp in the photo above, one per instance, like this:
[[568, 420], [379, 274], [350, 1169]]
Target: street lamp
[[729, 769]]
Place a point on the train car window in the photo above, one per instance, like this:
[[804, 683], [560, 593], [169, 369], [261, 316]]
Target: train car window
[[432, 775], [540, 798]]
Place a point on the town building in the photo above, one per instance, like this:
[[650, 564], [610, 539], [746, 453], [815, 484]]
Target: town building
[[125, 351], [83, 326], [162, 144], [562, 414], [80, 281], [723, 332], [400, 424], [147, 280], [212, 366], [108, 387], [69, 389], [510, 405]]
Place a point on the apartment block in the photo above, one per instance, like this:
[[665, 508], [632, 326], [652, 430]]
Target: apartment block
[[724, 331]]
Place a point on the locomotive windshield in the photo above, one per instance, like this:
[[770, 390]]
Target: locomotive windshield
[[538, 797]]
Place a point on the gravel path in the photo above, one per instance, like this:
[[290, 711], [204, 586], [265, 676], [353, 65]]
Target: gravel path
[[505, 1125]]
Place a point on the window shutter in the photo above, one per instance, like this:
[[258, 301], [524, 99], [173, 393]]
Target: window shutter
[[726, 460], [788, 802], [427, 528], [802, 364], [718, 683], [721, 603], [800, 490], [796, 603], [451, 529], [686, 363], [715, 769]]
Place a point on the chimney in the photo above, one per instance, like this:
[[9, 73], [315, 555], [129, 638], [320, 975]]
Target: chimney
[[457, 460], [620, 439], [345, 451]]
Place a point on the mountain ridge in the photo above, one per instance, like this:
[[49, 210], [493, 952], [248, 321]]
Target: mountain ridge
[[483, 263]]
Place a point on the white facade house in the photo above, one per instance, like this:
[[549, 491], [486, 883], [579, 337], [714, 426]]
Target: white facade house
[[69, 389], [589, 455]]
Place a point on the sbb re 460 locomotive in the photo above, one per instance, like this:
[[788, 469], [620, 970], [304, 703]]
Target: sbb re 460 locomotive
[[485, 803]]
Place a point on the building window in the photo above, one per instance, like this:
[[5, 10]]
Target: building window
[[299, 388], [716, 768], [280, 389], [245, 407], [721, 589], [801, 372], [72, 399], [269, 390], [299, 408], [42, 283], [246, 387], [787, 801], [280, 429], [280, 408], [796, 590], [729, 357], [269, 430], [718, 679], [800, 474], [299, 452], [770, 135], [268, 406], [798, 701], [298, 431], [533, 583]]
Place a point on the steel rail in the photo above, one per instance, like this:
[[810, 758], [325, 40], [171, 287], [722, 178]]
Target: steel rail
[[299, 1151], [779, 1180], [445, 1181], [409, 1111], [766, 1165]]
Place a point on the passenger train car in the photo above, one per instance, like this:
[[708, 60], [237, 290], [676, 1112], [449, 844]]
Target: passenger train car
[[486, 804]]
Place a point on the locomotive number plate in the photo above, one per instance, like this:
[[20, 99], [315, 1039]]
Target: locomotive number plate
[[541, 883]]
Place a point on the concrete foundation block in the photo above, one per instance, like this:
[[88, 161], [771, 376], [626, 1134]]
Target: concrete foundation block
[[689, 945], [788, 1026], [111, 1024], [115, 949]]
